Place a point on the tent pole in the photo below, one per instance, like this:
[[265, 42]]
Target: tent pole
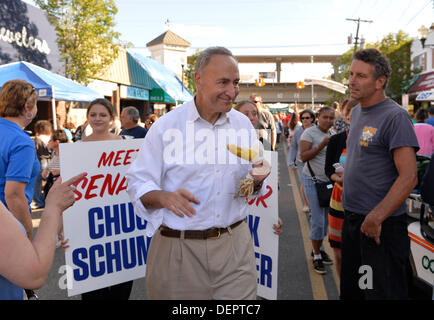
[[53, 108]]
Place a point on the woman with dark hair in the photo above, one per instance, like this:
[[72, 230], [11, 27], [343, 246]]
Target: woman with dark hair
[[307, 119], [313, 146]]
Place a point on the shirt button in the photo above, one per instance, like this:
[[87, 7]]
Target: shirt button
[[217, 171], [218, 193], [218, 216]]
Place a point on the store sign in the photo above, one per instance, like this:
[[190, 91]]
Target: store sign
[[159, 96], [22, 39], [26, 35], [134, 93]]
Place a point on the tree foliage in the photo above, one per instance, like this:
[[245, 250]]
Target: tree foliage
[[85, 35], [396, 47], [189, 72]]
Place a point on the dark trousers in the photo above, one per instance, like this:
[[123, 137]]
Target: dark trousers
[[371, 271], [120, 291]]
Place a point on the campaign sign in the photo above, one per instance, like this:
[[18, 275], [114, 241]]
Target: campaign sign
[[263, 214], [107, 241]]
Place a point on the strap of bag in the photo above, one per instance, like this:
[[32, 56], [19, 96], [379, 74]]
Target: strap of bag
[[311, 172]]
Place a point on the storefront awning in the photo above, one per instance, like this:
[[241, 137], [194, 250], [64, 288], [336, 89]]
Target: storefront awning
[[424, 83], [425, 96], [165, 78]]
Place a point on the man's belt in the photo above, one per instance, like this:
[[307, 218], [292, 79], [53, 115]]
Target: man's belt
[[197, 234]]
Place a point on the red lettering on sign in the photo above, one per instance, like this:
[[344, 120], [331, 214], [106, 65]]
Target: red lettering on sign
[[261, 199], [116, 158], [92, 187]]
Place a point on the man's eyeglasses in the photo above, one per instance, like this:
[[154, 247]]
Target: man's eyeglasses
[[306, 118]]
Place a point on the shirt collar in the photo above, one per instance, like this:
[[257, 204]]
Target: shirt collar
[[194, 115]]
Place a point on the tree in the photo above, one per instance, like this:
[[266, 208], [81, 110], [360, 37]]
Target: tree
[[396, 47], [85, 35], [189, 72]]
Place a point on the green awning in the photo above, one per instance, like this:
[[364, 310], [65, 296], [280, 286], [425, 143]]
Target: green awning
[[160, 96]]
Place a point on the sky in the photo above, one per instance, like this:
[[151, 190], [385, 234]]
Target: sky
[[269, 27]]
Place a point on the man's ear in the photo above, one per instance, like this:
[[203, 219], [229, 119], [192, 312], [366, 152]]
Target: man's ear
[[379, 83], [197, 78]]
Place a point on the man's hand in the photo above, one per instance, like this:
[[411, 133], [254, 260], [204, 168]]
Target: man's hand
[[371, 227], [179, 202], [260, 171]]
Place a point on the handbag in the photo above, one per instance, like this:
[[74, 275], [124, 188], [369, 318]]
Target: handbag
[[323, 189]]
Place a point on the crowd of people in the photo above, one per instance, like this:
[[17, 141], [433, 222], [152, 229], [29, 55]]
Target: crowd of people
[[370, 138]]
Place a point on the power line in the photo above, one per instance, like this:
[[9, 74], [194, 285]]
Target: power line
[[424, 6]]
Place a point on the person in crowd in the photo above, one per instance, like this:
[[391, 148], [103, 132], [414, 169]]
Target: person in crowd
[[380, 173], [130, 123], [250, 110], [340, 124], [293, 125], [294, 161], [430, 118], [150, 120], [336, 153], [60, 120], [424, 133], [313, 147], [100, 116], [267, 127], [189, 206], [43, 132], [25, 263], [19, 164], [279, 128], [52, 171]]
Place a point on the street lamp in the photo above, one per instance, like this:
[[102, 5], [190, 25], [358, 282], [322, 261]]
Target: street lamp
[[423, 35]]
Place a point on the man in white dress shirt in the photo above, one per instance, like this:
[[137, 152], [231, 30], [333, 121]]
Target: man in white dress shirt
[[183, 182]]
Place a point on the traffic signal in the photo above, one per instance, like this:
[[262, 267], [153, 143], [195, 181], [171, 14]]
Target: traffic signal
[[260, 82], [300, 85]]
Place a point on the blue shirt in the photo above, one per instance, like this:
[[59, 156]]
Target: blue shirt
[[430, 121], [18, 159], [136, 132]]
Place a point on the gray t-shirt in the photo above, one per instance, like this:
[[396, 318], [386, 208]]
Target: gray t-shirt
[[369, 168], [315, 136]]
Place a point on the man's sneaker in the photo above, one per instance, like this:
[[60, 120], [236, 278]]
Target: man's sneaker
[[325, 257], [318, 266]]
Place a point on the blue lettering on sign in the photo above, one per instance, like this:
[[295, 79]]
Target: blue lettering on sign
[[110, 220], [253, 225], [110, 257], [264, 269]]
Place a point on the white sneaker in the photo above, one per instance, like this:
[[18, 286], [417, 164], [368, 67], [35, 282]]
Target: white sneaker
[[306, 209]]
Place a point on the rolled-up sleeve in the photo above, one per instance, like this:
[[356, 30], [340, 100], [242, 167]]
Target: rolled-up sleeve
[[143, 176]]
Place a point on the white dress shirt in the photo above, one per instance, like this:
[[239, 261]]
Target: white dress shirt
[[182, 150]]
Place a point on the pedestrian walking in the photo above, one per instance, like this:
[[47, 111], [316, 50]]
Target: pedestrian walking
[[380, 173], [313, 147]]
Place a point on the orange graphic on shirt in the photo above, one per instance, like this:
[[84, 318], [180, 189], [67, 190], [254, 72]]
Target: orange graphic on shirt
[[367, 136]]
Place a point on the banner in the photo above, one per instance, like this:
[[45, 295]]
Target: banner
[[107, 241]]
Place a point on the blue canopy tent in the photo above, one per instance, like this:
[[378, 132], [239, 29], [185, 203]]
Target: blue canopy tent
[[164, 77], [49, 86]]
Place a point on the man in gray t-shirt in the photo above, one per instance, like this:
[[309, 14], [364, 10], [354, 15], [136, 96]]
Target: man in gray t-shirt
[[380, 173]]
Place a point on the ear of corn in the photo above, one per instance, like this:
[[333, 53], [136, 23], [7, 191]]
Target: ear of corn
[[245, 153]]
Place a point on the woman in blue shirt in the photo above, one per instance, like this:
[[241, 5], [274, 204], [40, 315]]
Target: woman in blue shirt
[[19, 165]]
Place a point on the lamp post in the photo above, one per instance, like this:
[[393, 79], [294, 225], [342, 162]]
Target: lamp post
[[423, 35], [182, 77]]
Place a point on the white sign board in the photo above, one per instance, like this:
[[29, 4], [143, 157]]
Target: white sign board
[[107, 241]]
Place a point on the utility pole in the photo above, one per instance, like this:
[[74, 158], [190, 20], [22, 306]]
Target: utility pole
[[357, 32]]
